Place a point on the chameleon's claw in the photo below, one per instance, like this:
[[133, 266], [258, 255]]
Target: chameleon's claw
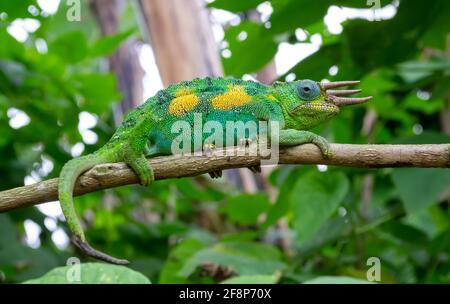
[[245, 142], [208, 149], [215, 174], [255, 169], [88, 250]]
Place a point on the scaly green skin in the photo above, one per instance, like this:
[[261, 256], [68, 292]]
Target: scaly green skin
[[218, 99]]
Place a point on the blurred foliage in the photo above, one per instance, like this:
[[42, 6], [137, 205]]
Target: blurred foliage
[[305, 225]]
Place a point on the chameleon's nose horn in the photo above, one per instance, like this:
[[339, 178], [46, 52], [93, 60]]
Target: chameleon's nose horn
[[336, 84], [342, 92], [343, 101], [337, 97]]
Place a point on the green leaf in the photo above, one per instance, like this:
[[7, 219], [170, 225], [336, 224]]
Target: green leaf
[[92, 273], [235, 6], [16, 9], [99, 91], [252, 279], [245, 208], [336, 280], [72, 47], [428, 107], [318, 64], [10, 47], [427, 137], [243, 59], [106, 45], [243, 257], [419, 188], [314, 199], [283, 203], [288, 15], [177, 258]]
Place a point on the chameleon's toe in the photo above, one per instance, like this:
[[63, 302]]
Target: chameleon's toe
[[215, 174], [208, 149], [323, 145], [142, 169], [327, 153], [88, 250], [146, 177], [255, 169], [245, 142]]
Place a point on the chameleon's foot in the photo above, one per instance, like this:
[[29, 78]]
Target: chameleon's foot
[[215, 174], [323, 145], [208, 149], [142, 168], [88, 250], [255, 169], [245, 142]]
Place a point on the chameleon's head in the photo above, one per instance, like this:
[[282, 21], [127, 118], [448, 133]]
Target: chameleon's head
[[307, 103]]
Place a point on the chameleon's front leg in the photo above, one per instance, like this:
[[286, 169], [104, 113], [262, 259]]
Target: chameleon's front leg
[[291, 137]]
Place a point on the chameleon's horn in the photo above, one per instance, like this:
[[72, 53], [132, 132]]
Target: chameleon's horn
[[343, 101], [337, 96], [342, 92], [336, 84]]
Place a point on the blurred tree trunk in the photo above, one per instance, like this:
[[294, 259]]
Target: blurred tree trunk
[[182, 39], [184, 47], [445, 113], [125, 61]]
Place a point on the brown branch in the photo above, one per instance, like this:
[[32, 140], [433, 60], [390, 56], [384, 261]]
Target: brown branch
[[114, 175]]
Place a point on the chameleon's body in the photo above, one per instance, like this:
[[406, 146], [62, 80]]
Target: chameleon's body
[[147, 131]]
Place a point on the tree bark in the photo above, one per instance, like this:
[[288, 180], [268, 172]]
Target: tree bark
[[181, 38]]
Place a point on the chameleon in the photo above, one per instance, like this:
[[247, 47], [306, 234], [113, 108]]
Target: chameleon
[[297, 106]]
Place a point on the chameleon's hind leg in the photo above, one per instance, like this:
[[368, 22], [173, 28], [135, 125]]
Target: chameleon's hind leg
[[246, 142], [133, 155], [141, 167], [215, 174], [208, 150], [255, 169]]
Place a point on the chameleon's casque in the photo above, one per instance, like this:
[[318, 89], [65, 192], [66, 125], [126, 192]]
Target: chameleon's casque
[[146, 131]]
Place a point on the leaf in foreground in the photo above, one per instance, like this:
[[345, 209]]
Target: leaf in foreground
[[91, 273]]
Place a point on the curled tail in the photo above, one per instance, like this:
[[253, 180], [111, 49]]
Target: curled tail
[[69, 174]]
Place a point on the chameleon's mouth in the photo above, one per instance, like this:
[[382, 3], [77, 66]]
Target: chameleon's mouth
[[338, 97]]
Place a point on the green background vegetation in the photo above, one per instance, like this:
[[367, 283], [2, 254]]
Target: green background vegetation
[[170, 229]]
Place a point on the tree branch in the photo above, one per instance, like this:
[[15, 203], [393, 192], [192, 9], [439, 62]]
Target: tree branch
[[118, 174]]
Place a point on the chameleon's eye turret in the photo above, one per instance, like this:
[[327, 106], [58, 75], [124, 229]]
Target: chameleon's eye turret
[[308, 89]]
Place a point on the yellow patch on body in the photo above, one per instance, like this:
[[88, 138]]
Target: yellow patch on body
[[183, 92], [183, 104], [271, 97], [234, 97]]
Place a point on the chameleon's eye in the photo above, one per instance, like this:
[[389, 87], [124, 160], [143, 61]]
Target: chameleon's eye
[[308, 89]]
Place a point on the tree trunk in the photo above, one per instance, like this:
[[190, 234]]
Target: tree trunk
[[182, 39], [125, 61]]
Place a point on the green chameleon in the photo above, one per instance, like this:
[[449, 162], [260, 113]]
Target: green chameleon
[[297, 106]]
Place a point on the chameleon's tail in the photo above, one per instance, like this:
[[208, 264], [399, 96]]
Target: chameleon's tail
[[69, 174]]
